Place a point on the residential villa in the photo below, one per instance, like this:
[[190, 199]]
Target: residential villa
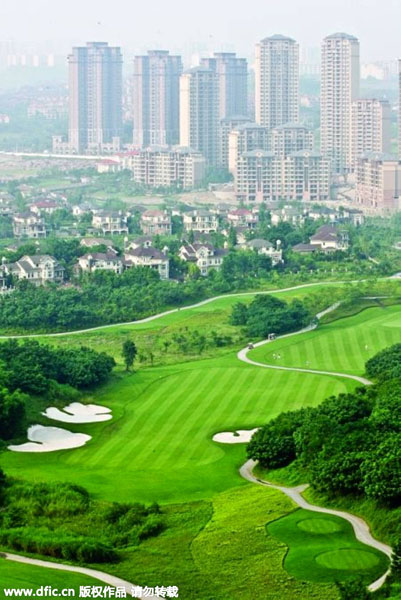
[[266, 248], [100, 261], [144, 241], [328, 238], [89, 242], [156, 222], [44, 206], [200, 220], [110, 222], [28, 225], [205, 256], [148, 257], [243, 217], [39, 269]]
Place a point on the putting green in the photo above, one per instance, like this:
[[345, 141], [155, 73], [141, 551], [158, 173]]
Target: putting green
[[318, 526], [341, 346], [323, 548], [346, 559]]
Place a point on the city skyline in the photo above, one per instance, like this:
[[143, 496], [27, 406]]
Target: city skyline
[[207, 28]]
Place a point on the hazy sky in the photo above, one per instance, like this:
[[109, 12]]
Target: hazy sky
[[182, 25]]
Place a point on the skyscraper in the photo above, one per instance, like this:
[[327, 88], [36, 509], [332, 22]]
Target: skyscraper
[[289, 138], [277, 81], [371, 127], [246, 137], [95, 104], [233, 82], [156, 98], [339, 88], [199, 112], [399, 108]]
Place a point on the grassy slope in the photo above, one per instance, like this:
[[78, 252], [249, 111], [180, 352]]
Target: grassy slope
[[222, 551], [342, 346], [18, 575]]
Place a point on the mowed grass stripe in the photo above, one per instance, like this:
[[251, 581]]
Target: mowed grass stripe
[[212, 415], [178, 429], [338, 346], [155, 433], [112, 450], [195, 429]]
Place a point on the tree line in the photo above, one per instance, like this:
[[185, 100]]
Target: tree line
[[31, 369]]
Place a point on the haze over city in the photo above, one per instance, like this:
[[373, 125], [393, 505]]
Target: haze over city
[[206, 26]]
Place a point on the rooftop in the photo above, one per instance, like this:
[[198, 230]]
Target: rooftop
[[341, 36], [277, 37]]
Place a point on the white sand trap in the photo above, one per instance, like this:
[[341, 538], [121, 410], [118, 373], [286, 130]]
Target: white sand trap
[[49, 439], [241, 436], [79, 413]]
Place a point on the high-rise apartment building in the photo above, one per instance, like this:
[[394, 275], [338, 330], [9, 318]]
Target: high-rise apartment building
[[339, 88], [371, 127], [399, 108], [227, 125], [199, 112], [261, 176], [277, 81], [378, 183], [155, 98], [289, 138], [246, 138], [166, 167], [95, 103], [232, 81]]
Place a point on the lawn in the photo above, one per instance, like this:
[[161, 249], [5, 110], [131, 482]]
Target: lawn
[[323, 548], [341, 346], [19, 575], [158, 445]]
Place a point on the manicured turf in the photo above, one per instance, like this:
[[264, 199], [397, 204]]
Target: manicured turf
[[158, 445], [341, 346], [19, 575], [323, 548]]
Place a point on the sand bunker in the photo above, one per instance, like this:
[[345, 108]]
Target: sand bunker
[[79, 413], [49, 439], [241, 436]]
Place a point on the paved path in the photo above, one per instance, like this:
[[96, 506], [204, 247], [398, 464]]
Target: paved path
[[174, 310], [99, 575], [361, 528], [242, 354]]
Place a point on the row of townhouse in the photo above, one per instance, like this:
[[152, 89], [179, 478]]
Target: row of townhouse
[[158, 222], [134, 256], [31, 224]]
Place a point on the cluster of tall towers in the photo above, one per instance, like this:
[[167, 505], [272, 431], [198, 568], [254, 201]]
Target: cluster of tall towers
[[191, 108]]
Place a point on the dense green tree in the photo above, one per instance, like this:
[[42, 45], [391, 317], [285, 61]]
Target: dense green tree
[[385, 364], [353, 589], [273, 445], [129, 353], [382, 471]]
